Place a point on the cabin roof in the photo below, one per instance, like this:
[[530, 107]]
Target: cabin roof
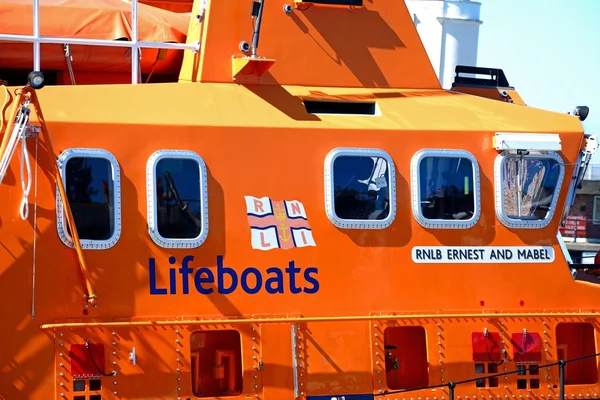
[[208, 104]]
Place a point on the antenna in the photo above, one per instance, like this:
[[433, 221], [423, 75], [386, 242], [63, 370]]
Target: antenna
[[257, 11]]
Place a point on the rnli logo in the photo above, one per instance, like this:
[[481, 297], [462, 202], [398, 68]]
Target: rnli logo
[[278, 224]]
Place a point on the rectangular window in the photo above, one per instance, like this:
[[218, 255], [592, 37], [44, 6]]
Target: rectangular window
[[529, 186], [178, 198], [90, 190], [445, 188], [359, 186], [92, 186], [596, 209], [177, 208]]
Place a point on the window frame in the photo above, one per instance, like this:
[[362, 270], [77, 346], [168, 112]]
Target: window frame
[[330, 188], [415, 177], [595, 208], [499, 198], [61, 222], [157, 238]]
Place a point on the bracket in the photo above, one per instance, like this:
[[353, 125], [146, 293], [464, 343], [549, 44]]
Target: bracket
[[250, 67]]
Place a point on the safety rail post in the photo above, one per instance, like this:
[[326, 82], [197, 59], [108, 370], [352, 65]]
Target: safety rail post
[[561, 377], [135, 58], [134, 44], [451, 386], [36, 35]]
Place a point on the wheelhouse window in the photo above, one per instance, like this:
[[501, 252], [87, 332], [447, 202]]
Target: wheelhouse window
[[445, 186], [92, 185], [360, 188], [177, 196], [527, 188]]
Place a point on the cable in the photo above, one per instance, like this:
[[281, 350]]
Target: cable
[[24, 209], [87, 344]]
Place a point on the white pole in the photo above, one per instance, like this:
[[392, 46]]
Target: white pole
[[36, 35], [99, 42], [134, 39]]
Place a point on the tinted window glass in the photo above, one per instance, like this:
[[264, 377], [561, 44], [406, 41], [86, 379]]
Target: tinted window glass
[[446, 188], [528, 185], [178, 198], [361, 187], [90, 190]]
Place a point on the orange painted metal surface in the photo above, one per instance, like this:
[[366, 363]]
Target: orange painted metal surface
[[507, 95], [354, 314]]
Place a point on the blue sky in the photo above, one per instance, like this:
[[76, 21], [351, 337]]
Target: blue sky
[[549, 51]]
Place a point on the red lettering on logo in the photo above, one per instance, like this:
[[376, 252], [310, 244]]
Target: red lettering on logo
[[258, 206], [263, 243], [303, 237], [296, 208]]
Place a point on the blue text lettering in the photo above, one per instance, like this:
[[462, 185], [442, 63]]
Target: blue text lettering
[[227, 280]]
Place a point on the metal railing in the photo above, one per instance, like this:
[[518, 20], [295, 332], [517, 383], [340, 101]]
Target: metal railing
[[133, 44], [592, 173], [453, 384]]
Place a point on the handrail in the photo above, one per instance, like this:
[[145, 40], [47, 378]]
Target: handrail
[[279, 320], [453, 384], [133, 44]]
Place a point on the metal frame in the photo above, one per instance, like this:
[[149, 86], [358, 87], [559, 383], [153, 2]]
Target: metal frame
[[133, 44], [579, 172], [295, 360], [330, 189], [151, 197], [563, 248], [415, 177], [499, 192], [527, 141], [594, 220], [64, 157]]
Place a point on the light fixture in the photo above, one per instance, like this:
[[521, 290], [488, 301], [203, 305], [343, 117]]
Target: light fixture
[[36, 79], [582, 112]]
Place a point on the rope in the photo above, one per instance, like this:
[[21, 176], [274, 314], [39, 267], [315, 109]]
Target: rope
[[19, 133], [24, 209], [34, 229], [6, 100], [12, 144]]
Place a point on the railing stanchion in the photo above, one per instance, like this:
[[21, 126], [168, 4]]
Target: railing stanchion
[[36, 36], [135, 57], [451, 386], [561, 377]]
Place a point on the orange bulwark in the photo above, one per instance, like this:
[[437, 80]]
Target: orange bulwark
[[279, 201]]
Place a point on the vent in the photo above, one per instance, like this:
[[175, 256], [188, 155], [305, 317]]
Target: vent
[[340, 107]]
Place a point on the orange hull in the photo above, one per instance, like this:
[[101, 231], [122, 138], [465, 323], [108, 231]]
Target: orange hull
[[218, 252]]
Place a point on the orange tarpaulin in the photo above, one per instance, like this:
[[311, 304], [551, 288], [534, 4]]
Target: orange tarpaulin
[[91, 19]]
